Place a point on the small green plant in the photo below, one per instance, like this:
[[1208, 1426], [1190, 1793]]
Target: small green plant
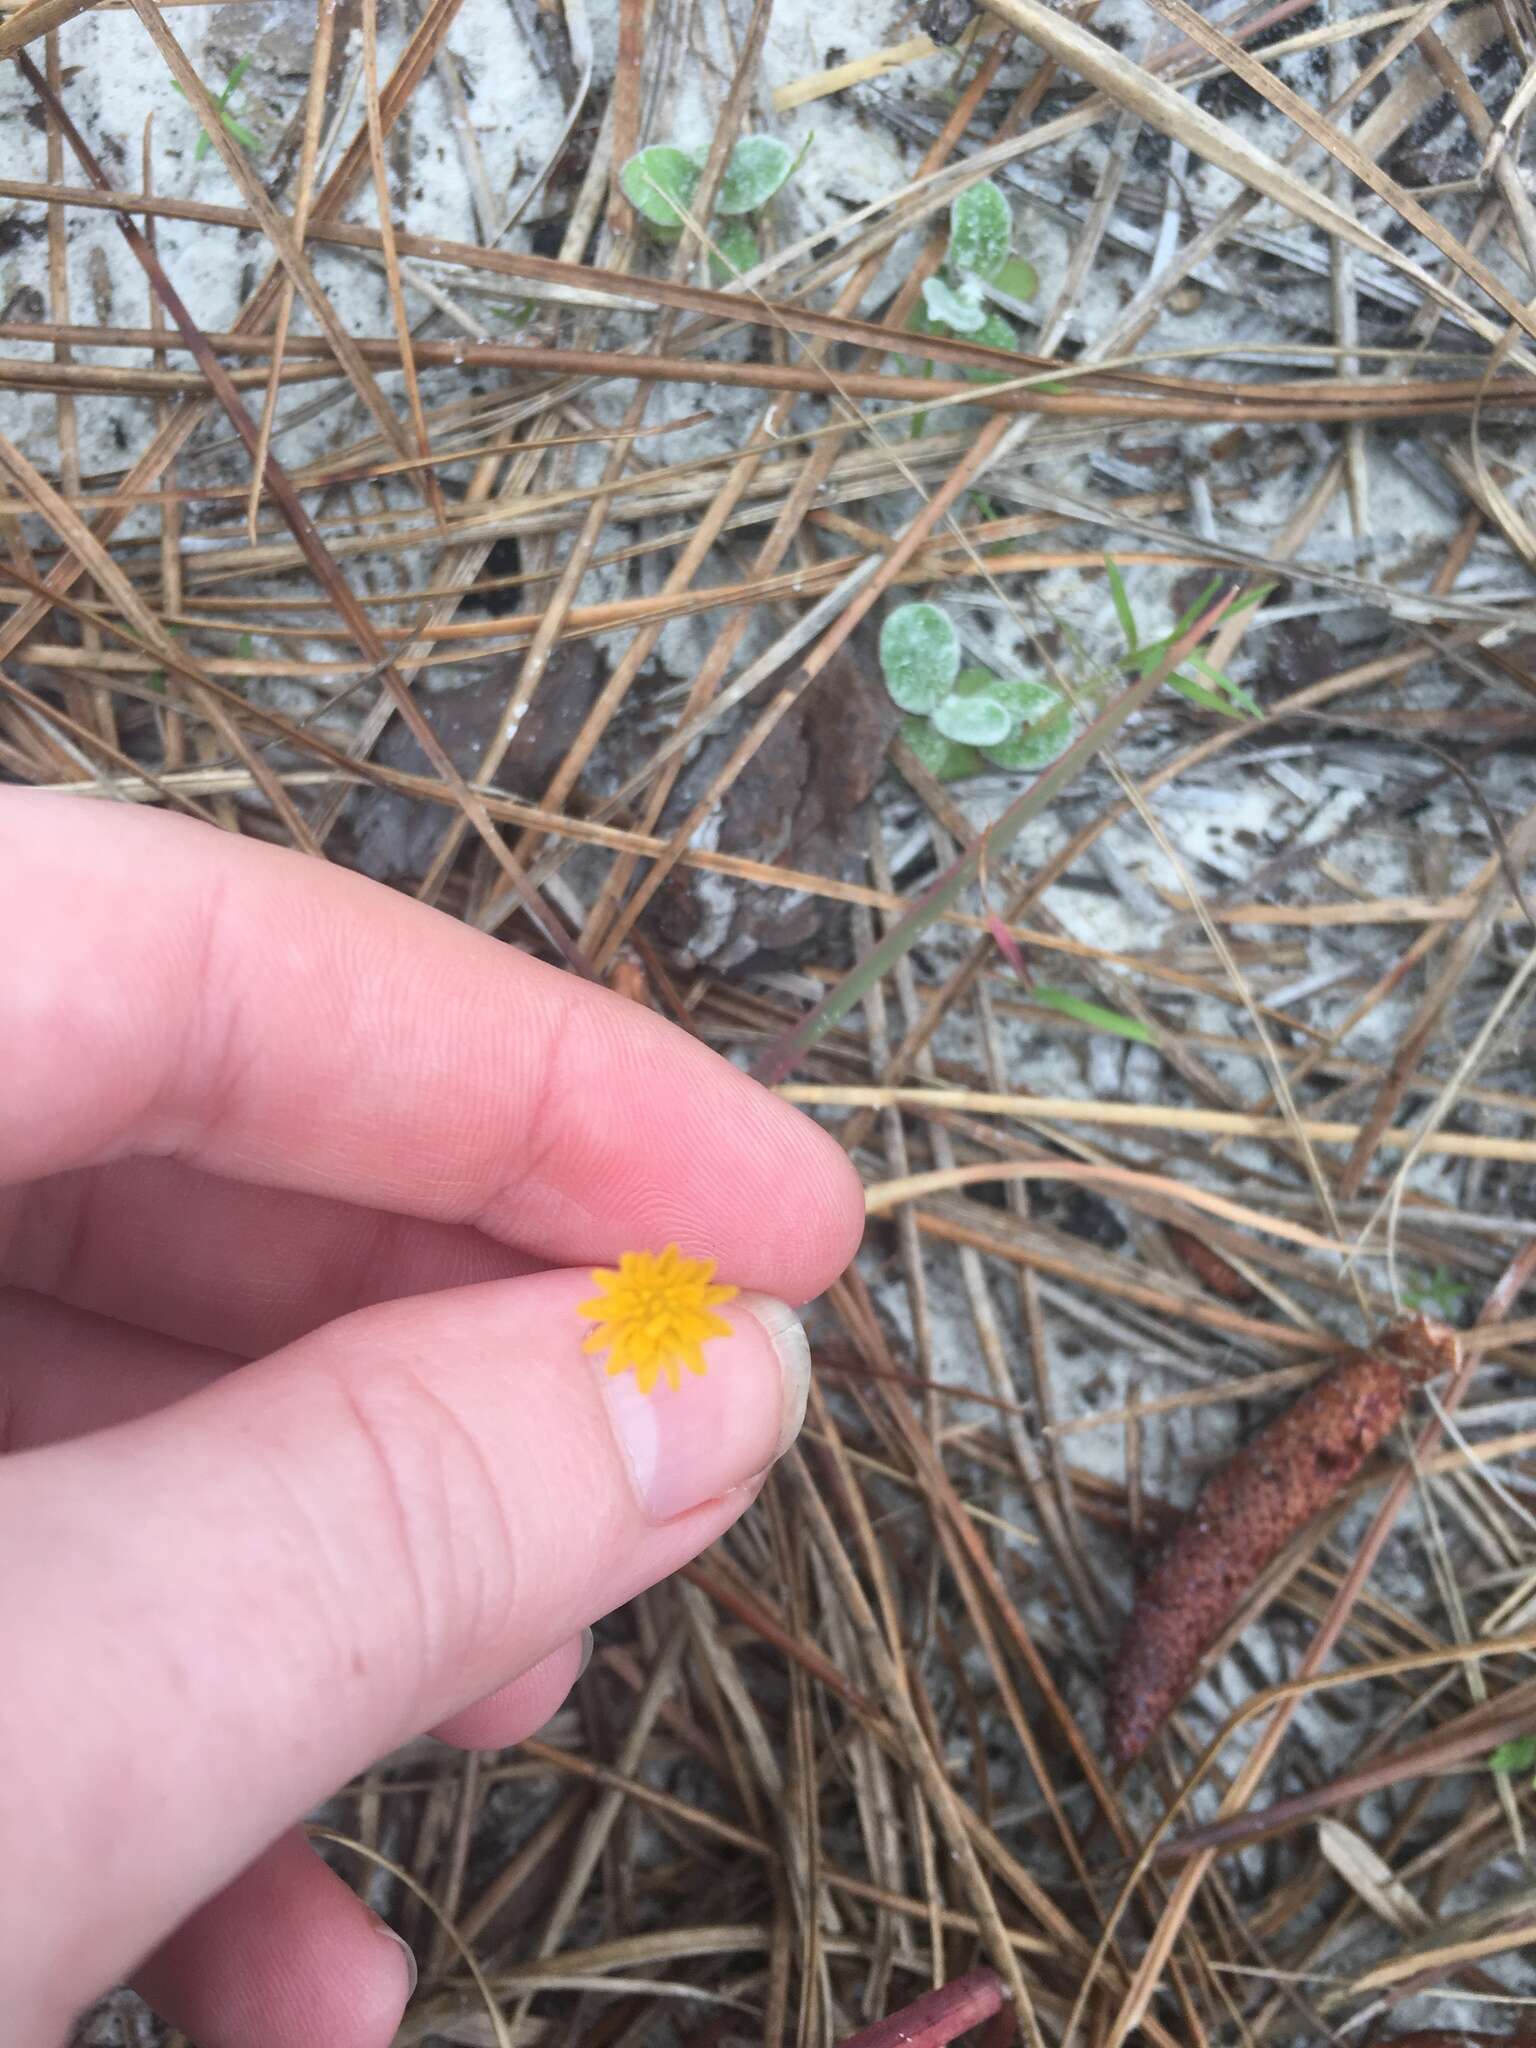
[[960, 717], [1514, 1759], [979, 267], [237, 129], [1442, 1292], [1210, 686], [660, 182]]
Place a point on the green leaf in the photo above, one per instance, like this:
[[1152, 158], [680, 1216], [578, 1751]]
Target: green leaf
[[919, 322], [1518, 1755], [1230, 699], [658, 181], [242, 66], [980, 231], [758, 167], [941, 757], [919, 656], [1036, 745], [961, 310], [1122, 604], [1090, 1014], [1187, 618], [516, 316], [241, 133], [735, 251], [972, 713], [245, 647], [1016, 280], [994, 332], [1443, 1292], [1197, 693], [1220, 680], [1026, 699]]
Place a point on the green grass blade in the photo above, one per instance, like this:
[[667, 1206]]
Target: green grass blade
[[1122, 604], [1097, 1018]]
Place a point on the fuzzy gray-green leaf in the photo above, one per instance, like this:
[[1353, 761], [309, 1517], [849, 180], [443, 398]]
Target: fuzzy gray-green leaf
[[980, 230], [758, 167], [658, 182], [919, 656], [972, 714]]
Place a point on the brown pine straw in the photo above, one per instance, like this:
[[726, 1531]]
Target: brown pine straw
[[312, 546]]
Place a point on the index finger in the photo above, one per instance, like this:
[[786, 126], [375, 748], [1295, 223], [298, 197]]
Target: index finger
[[175, 990]]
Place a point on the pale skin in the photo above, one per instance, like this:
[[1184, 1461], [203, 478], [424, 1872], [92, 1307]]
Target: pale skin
[[300, 1186]]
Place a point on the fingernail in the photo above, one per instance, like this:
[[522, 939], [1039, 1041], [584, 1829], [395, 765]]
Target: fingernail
[[786, 1333], [410, 1958], [712, 1435], [588, 1645]]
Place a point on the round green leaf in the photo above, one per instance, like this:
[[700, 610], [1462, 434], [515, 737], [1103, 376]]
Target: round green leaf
[[758, 167], [658, 182], [1034, 746], [941, 757], [961, 310], [980, 230], [1025, 699], [971, 714], [994, 332], [735, 251], [918, 322], [1017, 279], [919, 656]]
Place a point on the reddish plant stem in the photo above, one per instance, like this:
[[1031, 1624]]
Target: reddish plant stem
[[938, 2016]]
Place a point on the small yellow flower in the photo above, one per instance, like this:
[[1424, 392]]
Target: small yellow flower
[[654, 1314]]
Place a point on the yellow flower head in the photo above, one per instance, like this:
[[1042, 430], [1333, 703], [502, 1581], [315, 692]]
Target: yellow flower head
[[654, 1314]]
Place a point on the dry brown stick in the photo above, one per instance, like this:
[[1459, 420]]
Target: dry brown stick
[[169, 440], [626, 109], [733, 308], [1467, 1739], [386, 211], [912, 1437], [173, 726], [1469, 942], [89, 738], [315, 553], [584, 543], [890, 1676], [91, 556], [86, 704], [40, 18], [1196, 400], [504, 635], [1145, 307], [1345, 150], [277, 228], [1157, 103], [309, 147]]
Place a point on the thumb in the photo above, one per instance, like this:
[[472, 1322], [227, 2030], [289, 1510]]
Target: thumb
[[217, 1613]]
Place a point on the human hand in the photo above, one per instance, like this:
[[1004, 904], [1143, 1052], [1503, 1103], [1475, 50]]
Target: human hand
[[301, 1185]]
